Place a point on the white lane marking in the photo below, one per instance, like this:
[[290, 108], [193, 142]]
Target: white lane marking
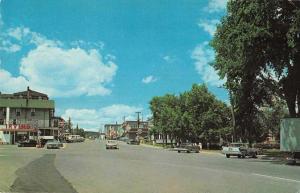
[[274, 177]]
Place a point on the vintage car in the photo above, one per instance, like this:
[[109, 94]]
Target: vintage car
[[112, 144], [53, 144], [188, 147], [28, 143], [241, 150], [133, 142]]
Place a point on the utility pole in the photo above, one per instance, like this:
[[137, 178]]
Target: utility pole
[[138, 123]]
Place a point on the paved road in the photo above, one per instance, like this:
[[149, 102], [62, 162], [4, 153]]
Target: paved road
[[89, 167]]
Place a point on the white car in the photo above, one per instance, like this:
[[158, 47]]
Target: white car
[[241, 150], [112, 144]]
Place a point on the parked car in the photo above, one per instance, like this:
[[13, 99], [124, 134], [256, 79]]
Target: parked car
[[133, 142], [241, 150], [188, 147], [27, 143], [53, 144], [112, 144]]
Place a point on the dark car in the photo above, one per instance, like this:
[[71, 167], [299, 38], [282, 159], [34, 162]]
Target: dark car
[[133, 142], [188, 147], [28, 143]]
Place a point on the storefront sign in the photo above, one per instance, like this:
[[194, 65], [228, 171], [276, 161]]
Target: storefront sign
[[18, 126]]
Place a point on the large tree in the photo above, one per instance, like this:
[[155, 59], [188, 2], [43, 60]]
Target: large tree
[[256, 48]]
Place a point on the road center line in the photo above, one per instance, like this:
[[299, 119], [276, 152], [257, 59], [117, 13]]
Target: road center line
[[274, 177]]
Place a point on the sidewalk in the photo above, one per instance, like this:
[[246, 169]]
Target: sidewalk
[[151, 146]]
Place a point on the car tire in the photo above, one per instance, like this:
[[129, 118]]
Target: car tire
[[196, 151], [239, 156], [227, 155], [188, 151], [179, 151], [254, 155]]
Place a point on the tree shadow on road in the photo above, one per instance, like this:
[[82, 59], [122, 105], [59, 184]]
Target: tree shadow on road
[[41, 175]]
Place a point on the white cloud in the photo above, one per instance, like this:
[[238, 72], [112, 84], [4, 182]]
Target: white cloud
[[203, 56], [209, 26], [9, 47], [23, 36], [58, 71], [94, 119], [149, 79], [67, 72], [216, 5], [10, 84], [168, 58]]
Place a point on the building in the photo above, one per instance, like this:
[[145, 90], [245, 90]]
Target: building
[[113, 131], [26, 115], [136, 129]]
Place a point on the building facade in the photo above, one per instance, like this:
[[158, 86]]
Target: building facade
[[113, 131], [26, 115], [136, 130]]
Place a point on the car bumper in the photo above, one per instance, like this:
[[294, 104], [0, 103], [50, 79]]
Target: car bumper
[[111, 147], [52, 146]]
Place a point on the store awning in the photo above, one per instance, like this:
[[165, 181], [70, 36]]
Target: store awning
[[18, 130]]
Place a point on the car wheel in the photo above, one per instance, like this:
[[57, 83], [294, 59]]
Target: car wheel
[[188, 151], [243, 156], [197, 151], [227, 155], [178, 151], [254, 155], [239, 156]]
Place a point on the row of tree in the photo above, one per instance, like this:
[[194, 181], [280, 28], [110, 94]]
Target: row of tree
[[257, 48], [195, 115]]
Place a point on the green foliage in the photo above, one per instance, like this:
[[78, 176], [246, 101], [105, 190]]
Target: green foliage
[[194, 115], [257, 51]]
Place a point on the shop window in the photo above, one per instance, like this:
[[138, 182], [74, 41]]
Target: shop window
[[3, 112], [1, 121], [14, 121], [32, 112]]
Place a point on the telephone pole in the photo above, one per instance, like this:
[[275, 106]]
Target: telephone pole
[[138, 123]]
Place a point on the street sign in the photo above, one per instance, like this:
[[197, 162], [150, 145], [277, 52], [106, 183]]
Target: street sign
[[139, 131]]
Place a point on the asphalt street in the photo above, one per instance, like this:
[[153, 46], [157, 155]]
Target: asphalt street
[[89, 167]]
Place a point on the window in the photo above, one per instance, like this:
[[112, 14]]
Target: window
[[18, 112], [51, 113], [32, 112], [1, 122], [15, 121], [4, 112]]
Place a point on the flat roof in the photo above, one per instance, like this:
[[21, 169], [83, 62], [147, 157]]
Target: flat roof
[[24, 103]]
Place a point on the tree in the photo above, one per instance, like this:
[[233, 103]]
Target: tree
[[256, 48], [195, 115]]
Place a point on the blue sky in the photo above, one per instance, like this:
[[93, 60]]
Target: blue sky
[[102, 59]]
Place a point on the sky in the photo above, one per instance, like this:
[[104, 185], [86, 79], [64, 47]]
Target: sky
[[102, 60]]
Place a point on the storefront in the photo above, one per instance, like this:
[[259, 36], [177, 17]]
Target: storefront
[[11, 134]]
